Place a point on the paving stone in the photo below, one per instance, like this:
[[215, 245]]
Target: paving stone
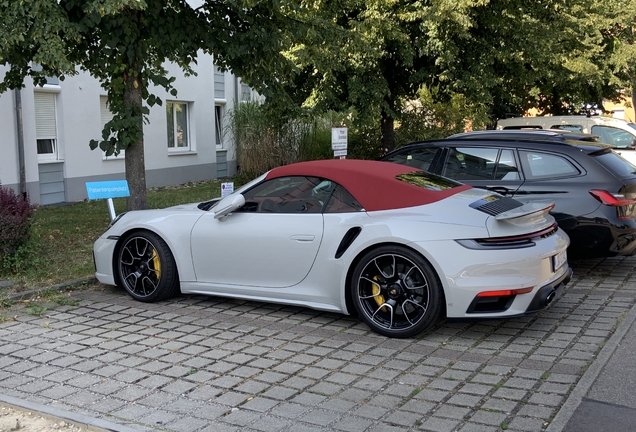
[[435, 424], [319, 417], [490, 418], [268, 423], [352, 424], [186, 424]]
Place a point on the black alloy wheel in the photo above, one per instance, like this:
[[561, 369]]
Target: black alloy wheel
[[396, 292], [146, 267]]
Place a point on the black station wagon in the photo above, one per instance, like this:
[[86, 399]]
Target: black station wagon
[[593, 188]]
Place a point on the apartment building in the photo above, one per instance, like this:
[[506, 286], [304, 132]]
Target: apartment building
[[45, 132]]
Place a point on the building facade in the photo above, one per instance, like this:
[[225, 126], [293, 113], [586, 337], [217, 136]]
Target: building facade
[[46, 132]]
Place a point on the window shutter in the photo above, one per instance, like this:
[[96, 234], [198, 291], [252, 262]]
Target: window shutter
[[219, 84], [45, 115]]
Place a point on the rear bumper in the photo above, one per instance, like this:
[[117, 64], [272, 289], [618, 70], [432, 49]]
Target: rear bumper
[[599, 235], [548, 293], [542, 298]]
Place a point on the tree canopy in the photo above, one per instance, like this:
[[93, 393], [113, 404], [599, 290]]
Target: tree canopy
[[368, 57], [508, 56], [125, 44]]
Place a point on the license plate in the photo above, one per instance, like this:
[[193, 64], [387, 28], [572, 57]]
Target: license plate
[[559, 260]]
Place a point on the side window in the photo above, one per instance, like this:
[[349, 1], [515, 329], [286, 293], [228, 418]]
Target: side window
[[614, 136], [341, 201], [538, 165], [421, 158], [507, 166], [284, 195], [568, 127], [471, 163]]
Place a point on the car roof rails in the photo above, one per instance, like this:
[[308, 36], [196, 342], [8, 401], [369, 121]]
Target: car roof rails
[[527, 134]]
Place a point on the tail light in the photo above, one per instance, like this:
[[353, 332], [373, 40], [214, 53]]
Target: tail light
[[624, 207], [510, 242]]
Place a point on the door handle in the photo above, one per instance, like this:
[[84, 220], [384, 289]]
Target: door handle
[[303, 237]]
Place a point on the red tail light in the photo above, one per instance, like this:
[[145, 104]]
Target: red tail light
[[624, 207], [504, 292], [524, 237]]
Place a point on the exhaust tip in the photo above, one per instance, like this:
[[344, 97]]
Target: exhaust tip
[[548, 298]]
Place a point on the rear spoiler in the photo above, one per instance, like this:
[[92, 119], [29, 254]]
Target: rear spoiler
[[528, 214]]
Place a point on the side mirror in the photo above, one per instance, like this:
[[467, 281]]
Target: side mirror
[[229, 204], [633, 144]]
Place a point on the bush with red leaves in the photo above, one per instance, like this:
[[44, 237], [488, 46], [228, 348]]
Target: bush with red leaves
[[15, 221]]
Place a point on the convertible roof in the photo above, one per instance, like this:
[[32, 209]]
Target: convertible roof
[[372, 183]]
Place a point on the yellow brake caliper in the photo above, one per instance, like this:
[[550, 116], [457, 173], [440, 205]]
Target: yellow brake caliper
[[156, 264], [379, 298]]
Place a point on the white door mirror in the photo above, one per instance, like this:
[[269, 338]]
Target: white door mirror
[[228, 204]]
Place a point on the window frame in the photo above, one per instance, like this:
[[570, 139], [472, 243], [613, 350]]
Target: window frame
[[48, 91], [174, 125], [219, 124], [529, 176]]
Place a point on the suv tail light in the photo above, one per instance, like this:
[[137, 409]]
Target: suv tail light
[[624, 207]]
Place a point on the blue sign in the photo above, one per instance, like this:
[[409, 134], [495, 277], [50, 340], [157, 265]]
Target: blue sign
[[107, 189]]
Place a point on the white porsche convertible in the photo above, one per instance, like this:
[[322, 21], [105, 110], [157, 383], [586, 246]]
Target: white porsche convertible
[[400, 247]]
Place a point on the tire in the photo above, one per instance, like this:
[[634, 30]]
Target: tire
[[396, 292], [146, 268]]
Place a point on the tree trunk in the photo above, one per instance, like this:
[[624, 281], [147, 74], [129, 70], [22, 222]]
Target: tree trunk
[[387, 125], [135, 163]]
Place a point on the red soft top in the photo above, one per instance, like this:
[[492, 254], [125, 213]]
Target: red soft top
[[372, 183]]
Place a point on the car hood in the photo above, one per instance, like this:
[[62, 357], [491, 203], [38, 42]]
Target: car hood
[[190, 206]]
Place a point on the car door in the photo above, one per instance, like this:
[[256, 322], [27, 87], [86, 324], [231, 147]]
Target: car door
[[492, 168], [558, 178], [271, 242]]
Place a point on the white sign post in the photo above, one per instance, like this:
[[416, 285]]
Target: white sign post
[[339, 142]]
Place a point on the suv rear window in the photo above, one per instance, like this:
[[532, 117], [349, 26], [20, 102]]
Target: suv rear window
[[615, 164]]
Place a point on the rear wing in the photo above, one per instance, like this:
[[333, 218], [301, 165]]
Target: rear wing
[[532, 213]]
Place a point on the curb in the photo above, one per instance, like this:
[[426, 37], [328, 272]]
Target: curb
[[66, 415], [59, 287], [573, 401]]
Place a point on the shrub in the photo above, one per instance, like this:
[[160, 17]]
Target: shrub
[[15, 221], [266, 138]]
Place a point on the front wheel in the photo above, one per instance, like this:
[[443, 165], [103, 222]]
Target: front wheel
[[146, 267], [396, 292]]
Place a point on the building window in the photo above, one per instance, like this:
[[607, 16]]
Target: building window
[[219, 84], [178, 128], [45, 126], [218, 125], [246, 93]]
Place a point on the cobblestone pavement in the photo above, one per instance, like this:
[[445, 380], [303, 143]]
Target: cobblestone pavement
[[209, 364]]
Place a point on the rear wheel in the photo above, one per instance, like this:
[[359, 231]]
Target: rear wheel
[[146, 267], [396, 292]]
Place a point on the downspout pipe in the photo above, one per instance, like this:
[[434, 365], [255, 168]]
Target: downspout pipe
[[20, 125]]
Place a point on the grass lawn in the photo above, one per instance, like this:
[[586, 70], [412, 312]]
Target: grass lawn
[[63, 236]]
